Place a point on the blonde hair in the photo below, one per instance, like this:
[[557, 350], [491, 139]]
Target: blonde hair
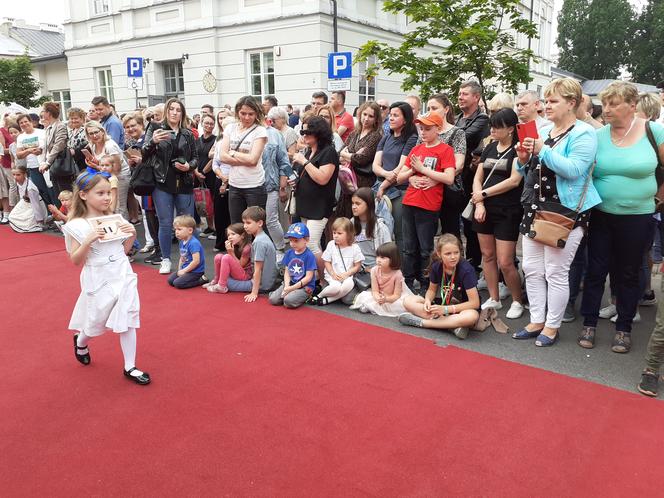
[[500, 101], [620, 90], [96, 125], [650, 105], [184, 220], [333, 118], [65, 194], [114, 160], [567, 88], [345, 225]]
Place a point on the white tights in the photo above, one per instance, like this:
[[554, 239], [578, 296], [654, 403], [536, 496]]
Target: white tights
[[127, 343], [335, 290]]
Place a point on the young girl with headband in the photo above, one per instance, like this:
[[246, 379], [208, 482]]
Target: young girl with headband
[[109, 293]]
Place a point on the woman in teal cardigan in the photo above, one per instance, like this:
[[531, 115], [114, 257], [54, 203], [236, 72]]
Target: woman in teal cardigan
[[557, 167]]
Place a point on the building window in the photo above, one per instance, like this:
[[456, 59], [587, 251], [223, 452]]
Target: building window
[[105, 83], [261, 74], [367, 87], [63, 97], [173, 78], [100, 7]]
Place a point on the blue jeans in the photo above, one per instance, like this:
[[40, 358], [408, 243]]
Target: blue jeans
[[46, 193], [186, 281], [164, 203], [239, 285], [419, 227]]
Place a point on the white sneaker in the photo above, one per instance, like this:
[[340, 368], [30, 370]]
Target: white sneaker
[[515, 311], [165, 266], [492, 303], [637, 317], [608, 311], [481, 283], [503, 291]]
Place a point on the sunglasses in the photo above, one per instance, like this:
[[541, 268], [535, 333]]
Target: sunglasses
[[306, 132]]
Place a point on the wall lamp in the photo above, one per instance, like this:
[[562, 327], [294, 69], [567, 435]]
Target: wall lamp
[[185, 57]]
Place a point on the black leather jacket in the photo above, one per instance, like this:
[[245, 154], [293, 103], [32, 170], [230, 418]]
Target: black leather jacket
[[163, 154]]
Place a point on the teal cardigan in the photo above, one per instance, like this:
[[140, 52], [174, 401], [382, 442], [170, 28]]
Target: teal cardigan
[[571, 161]]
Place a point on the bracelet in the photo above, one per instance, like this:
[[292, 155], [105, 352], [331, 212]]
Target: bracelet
[[445, 311]]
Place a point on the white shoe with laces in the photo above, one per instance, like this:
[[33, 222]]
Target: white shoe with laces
[[608, 311], [515, 311], [165, 266], [503, 291], [492, 303], [481, 283], [637, 317]]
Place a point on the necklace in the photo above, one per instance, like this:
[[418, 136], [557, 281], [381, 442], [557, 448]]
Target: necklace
[[618, 142]]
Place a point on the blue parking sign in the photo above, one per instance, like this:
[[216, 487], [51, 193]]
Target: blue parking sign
[[339, 65], [134, 67]]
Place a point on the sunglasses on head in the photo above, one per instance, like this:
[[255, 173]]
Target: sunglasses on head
[[306, 132]]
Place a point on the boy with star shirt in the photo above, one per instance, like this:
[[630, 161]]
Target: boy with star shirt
[[300, 265]]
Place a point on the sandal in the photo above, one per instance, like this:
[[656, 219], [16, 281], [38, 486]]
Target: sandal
[[526, 334], [82, 358], [586, 337], [622, 342], [544, 341]]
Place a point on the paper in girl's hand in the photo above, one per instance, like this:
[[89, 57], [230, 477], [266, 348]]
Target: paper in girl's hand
[[110, 225]]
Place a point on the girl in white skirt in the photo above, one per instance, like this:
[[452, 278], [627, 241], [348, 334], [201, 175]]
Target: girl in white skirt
[[109, 293], [385, 298]]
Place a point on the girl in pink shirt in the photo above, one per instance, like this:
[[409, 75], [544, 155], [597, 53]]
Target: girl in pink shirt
[[236, 263]]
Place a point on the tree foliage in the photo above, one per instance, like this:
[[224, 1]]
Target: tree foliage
[[476, 39], [647, 60], [17, 83], [594, 37]]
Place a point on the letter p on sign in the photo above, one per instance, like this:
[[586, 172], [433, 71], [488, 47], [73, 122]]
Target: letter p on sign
[[339, 65]]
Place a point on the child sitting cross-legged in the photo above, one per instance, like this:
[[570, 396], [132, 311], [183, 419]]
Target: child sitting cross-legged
[[342, 259], [388, 290], [236, 263], [191, 267], [300, 265], [452, 300]]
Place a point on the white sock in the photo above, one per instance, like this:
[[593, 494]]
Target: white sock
[[128, 345], [82, 342]]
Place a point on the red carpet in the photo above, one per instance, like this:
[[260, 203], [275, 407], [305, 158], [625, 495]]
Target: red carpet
[[13, 245], [253, 400]]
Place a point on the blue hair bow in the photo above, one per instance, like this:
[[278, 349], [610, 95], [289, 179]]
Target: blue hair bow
[[84, 178]]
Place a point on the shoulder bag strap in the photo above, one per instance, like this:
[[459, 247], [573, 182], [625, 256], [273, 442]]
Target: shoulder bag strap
[[342, 258], [651, 139], [237, 147], [496, 164]]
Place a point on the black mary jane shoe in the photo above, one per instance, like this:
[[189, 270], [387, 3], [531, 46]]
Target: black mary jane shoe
[[142, 379], [83, 358]]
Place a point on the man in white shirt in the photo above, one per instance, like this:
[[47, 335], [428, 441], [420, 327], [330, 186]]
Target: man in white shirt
[[30, 146], [527, 105]]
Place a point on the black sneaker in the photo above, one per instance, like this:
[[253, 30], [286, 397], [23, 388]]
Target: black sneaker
[[569, 315], [154, 257], [648, 385], [648, 299]]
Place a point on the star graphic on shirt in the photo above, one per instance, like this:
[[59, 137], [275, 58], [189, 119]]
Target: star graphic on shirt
[[297, 269]]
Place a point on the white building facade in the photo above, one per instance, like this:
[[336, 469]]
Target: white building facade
[[235, 47]]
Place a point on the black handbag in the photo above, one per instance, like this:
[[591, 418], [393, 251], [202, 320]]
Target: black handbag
[[142, 179], [362, 280], [64, 165]]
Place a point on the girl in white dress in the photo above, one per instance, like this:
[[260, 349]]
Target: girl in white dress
[[109, 293], [387, 293]]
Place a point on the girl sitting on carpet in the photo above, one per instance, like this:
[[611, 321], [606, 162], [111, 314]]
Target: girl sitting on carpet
[[109, 293], [385, 298], [456, 307], [236, 263], [29, 214]]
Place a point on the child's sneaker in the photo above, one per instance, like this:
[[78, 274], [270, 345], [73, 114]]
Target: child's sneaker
[[209, 284], [648, 299], [460, 332], [165, 267], [410, 320], [216, 288]]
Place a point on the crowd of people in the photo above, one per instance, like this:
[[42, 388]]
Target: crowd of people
[[401, 209]]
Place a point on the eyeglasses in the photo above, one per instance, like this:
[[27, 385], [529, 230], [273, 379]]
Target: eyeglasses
[[306, 132], [93, 133]]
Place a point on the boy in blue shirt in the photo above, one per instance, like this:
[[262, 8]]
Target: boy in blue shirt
[[191, 267], [300, 265]]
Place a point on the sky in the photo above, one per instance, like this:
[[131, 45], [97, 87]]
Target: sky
[[35, 11]]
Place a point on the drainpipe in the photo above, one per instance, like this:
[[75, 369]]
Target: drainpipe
[[335, 26]]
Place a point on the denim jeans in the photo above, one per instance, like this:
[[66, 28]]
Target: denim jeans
[[240, 199], [615, 242], [186, 281], [273, 224], [164, 203], [46, 193], [577, 271], [419, 227], [240, 285]]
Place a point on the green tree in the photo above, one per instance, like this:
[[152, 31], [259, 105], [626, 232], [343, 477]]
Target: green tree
[[647, 60], [17, 83], [476, 38], [594, 37]]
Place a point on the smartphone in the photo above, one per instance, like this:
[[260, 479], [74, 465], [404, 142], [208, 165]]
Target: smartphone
[[527, 130]]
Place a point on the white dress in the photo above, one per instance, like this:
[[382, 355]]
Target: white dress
[[109, 290], [366, 303]]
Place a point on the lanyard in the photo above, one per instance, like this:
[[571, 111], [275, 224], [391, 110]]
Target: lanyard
[[448, 287]]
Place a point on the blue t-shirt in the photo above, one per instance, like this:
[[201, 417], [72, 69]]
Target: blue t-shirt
[[188, 249], [464, 278], [298, 265]]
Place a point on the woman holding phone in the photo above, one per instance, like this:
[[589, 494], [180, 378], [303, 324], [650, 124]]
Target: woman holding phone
[[174, 146]]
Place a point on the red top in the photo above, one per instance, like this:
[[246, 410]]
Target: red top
[[7, 159], [436, 158], [345, 119]]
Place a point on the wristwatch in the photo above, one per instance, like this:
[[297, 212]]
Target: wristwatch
[[484, 194]]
